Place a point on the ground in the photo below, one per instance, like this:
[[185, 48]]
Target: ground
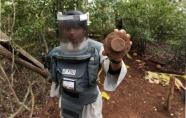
[[134, 98]]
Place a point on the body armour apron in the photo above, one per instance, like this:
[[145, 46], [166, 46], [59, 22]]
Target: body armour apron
[[76, 73]]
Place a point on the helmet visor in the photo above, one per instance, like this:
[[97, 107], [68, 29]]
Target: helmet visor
[[72, 31]]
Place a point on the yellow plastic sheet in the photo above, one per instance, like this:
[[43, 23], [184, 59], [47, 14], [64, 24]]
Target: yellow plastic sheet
[[163, 78], [105, 95]]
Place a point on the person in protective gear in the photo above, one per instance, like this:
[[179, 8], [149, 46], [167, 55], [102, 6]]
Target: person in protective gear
[[74, 66]]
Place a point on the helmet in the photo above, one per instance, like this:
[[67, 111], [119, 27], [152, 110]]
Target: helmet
[[72, 20]]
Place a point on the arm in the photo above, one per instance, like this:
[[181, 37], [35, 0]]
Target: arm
[[116, 45], [112, 79]]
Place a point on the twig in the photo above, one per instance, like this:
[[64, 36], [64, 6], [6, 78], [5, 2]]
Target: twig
[[2, 78], [12, 32], [13, 60], [3, 72], [170, 93], [33, 99], [12, 78], [6, 77], [45, 42], [12, 28], [11, 88], [22, 104], [11, 105], [14, 16]]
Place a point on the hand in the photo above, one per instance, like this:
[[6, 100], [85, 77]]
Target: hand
[[116, 45]]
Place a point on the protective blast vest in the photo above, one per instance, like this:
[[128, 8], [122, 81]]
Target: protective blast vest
[[76, 74]]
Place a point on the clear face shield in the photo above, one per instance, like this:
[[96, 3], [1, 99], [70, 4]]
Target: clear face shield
[[72, 31]]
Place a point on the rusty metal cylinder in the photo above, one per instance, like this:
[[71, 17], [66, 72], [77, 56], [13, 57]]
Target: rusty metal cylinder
[[117, 44]]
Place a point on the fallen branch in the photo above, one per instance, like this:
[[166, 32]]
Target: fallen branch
[[33, 100], [15, 49], [28, 56], [23, 103], [3, 72], [8, 49], [170, 93], [165, 70], [2, 78], [11, 88], [6, 53], [5, 41], [45, 42]]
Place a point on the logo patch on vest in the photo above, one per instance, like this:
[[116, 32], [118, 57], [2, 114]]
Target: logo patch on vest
[[69, 71], [68, 83]]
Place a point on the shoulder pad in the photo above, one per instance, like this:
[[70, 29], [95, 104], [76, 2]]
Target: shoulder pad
[[55, 52], [95, 44]]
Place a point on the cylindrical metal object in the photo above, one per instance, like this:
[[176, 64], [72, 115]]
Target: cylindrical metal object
[[117, 44]]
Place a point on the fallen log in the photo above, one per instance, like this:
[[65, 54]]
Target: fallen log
[[4, 37], [7, 54], [21, 53], [22, 57]]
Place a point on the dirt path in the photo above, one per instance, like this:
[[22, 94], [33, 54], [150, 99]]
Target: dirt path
[[136, 98]]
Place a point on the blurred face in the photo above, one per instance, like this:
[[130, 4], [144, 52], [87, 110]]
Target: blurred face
[[74, 34]]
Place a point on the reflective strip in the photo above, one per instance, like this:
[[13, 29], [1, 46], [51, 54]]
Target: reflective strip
[[83, 17], [72, 17], [69, 71], [66, 18], [69, 84]]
